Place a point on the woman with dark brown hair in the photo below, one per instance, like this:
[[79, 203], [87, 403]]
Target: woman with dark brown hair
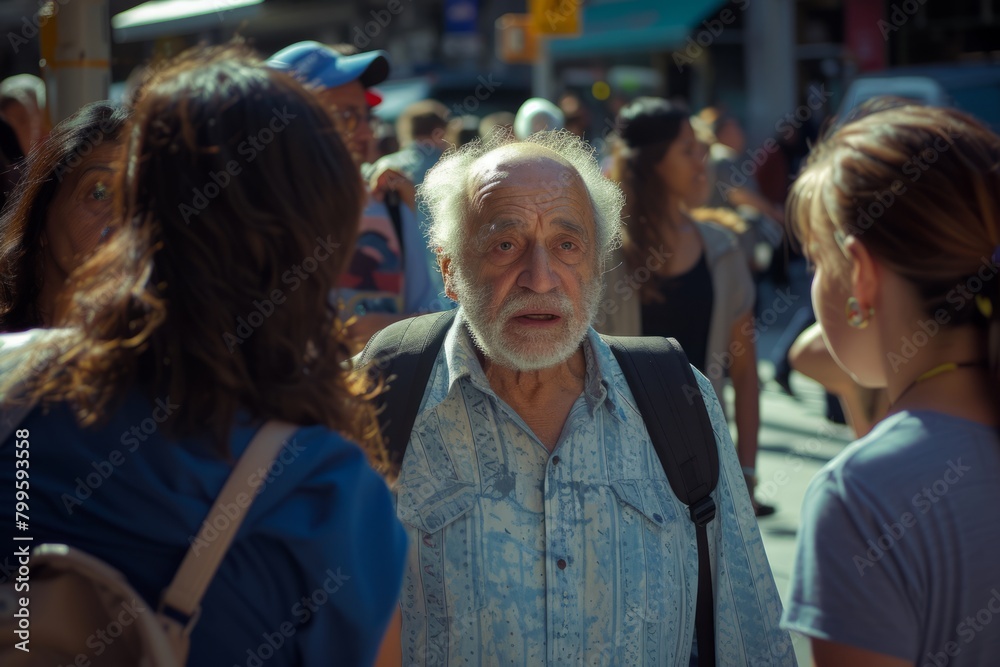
[[57, 214], [896, 564], [681, 277], [204, 315]]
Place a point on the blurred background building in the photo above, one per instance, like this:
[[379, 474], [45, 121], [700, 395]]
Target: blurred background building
[[760, 59]]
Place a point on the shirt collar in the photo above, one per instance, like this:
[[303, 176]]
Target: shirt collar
[[602, 382]]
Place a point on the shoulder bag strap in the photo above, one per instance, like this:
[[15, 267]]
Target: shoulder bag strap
[[180, 604]]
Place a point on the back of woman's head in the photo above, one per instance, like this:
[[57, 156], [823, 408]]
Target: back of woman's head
[[919, 187], [239, 208], [22, 225]]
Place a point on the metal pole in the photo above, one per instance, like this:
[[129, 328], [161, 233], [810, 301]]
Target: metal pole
[[541, 73], [769, 47], [76, 51]]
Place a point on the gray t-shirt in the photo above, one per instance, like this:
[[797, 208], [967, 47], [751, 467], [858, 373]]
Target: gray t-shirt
[[899, 549]]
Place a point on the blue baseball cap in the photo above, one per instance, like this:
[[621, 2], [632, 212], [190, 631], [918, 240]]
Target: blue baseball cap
[[320, 66]]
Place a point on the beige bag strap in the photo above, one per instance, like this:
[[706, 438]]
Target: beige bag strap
[[183, 595]]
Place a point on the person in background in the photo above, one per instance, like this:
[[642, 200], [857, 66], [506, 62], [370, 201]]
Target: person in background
[[390, 276], [56, 216], [157, 334], [502, 119], [577, 117], [386, 141], [421, 130], [700, 196], [537, 115], [682, 278], [22, 105], [731, 187], [863, 407], [896, 556], [462, 130]]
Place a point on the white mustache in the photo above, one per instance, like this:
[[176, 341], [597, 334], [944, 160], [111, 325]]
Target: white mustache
[[550, 303]]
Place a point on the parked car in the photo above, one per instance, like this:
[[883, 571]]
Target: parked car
[[971, 87]]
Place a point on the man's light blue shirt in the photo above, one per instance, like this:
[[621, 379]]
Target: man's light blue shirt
[[578, 556]]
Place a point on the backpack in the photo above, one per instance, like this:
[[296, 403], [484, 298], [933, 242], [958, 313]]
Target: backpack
[[666, 393], [66, 607]]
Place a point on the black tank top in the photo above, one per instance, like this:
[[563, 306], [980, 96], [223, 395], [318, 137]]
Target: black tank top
[[685, 312]]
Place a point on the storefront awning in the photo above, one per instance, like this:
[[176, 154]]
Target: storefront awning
[[630, 26]]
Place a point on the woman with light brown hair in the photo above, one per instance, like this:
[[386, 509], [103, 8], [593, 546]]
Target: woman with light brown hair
[[204, 315], [896, 565]]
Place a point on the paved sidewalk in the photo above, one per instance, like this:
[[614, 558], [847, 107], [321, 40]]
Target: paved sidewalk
[[796, 440]]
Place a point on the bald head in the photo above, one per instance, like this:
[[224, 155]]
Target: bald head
[[549, 168]]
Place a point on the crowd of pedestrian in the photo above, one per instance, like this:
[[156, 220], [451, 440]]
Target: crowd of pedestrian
[[487, 453]]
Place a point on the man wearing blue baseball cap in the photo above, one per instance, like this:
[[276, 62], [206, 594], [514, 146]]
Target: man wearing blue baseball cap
[[391, 275]]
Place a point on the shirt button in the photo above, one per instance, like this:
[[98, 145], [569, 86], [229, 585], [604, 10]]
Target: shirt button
[[561, 564], [555, 460]]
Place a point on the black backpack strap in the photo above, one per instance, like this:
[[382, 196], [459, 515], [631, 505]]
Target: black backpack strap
[[667, 395], [403, 355], [392, 204]]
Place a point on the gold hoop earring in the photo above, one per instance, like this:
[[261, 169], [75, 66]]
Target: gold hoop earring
[[857, 316]]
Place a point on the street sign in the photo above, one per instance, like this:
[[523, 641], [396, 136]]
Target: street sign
[[556, 18], [517, 41]]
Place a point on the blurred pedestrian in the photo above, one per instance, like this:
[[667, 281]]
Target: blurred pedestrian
[[22, 105], [726, 160], [896, 552], [158, 337], [501, 119], [390, 277], [576, 115], [462, 130], [57, 214], [862, 407], [421, 131], [680, 277], [537, 115], [386, 141]]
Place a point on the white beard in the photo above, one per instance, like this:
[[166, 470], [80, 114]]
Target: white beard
[[527, 351]]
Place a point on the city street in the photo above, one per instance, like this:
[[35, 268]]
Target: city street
[[792, 430]]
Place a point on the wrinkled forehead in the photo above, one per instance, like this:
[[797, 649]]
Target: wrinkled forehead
[[518, 164], [524, 176]]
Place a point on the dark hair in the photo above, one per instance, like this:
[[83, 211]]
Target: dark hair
[[426, 119], [235, 177], [646, 129], [24, 217]]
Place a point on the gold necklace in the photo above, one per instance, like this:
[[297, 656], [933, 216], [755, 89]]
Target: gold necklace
[[934, 372]]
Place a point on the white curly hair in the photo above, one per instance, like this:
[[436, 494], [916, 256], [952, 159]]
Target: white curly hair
[[446, 188]]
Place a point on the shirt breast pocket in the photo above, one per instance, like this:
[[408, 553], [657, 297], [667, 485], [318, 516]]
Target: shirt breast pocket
[[447, 558], [651, 546]]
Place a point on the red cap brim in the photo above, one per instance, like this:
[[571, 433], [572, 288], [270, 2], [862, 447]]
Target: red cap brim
[[374, 99]]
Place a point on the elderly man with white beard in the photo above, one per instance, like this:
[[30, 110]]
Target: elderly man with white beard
[[542, 525]]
